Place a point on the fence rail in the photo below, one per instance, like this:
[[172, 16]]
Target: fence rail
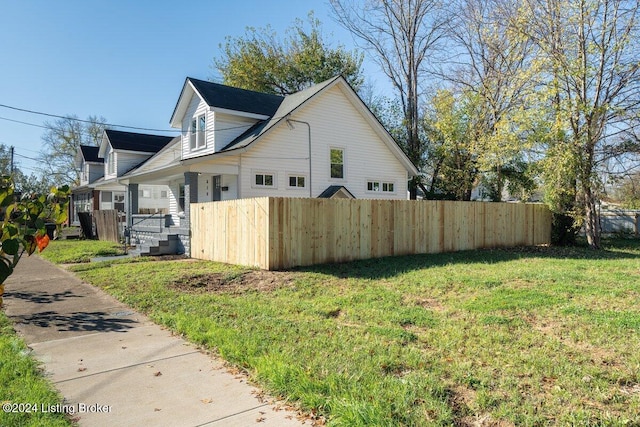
[[277, 233]]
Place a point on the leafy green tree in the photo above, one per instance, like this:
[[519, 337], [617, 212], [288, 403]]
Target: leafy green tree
[[588, 59], [260, 61], [451, 129], [61, 142]]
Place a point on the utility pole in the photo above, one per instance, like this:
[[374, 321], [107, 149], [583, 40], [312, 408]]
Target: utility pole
[[11, 160]]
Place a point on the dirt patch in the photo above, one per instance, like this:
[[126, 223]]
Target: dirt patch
[[234, 282], [428, 303]]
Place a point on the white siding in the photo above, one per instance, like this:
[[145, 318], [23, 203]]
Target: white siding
[[196, 108], [126, 161], [335, 122], [155, 202], [107, 161], [229, 127], [166, 157], [174, 207], [231, 182], [96, 171]]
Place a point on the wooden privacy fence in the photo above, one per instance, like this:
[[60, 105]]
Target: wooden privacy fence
[[276, 233], [107, 225]]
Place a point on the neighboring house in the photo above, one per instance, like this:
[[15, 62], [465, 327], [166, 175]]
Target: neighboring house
[[235, 143], [85, 198], [102, 167]]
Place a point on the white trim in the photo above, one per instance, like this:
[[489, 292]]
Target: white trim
[[264, 173], [381, 184], [344, 163], [198, 139], [297, 176], [239, 113]]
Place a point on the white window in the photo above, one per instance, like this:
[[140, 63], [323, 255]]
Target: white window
[[337, 163], [296, 181], [264, 180], [111, 163], [144, 193], [118, 201], [197, 132], [164, 194], [385, 187]]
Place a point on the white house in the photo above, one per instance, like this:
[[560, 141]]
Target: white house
[[235, 143], [84, 198], [101, 169]]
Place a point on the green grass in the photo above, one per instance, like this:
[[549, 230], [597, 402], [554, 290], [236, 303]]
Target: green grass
[[534, 336], [77, 251], [21, 382]]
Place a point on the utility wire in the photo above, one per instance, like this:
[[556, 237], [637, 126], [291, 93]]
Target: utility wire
[[25, 157], [85, 121]]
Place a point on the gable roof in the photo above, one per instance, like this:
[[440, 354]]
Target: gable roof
[[332, 190], [287, 106], [223, 97], [130, 141], [90, 154]]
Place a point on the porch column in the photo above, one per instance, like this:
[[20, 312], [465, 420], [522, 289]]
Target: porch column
[[132, 201], [190, 194]]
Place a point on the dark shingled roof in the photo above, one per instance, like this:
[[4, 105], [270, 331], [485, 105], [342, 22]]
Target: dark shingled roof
[[130, 141], [333, 189], [90, 153], [232, 98]]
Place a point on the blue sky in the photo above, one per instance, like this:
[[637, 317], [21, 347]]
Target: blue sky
[[123, 60]]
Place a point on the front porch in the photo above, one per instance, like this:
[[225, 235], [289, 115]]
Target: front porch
[[168, 231]]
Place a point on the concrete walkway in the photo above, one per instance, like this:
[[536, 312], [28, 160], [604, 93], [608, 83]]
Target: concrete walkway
[[115, 367]]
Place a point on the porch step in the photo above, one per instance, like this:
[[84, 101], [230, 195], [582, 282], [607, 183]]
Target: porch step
[[164, 245]]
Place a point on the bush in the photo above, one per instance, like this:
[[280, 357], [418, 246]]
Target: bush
[[564, 231]]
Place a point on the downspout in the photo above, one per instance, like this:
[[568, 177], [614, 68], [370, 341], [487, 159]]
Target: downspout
[[309, 130]]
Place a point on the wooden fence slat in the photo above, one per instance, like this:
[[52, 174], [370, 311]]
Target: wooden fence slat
[[107, 225]]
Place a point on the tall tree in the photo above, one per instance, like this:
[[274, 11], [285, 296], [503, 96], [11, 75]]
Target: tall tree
[[493, 69], [61, 142], [401, 35], [260, 61], [589, 51]]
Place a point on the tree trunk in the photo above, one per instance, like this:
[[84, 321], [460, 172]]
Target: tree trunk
[[592, 220]]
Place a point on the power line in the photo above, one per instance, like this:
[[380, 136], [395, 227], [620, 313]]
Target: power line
[[186, 132], [25, 157], [24, 123], [85, 121]]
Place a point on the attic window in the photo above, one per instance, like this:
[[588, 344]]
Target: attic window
[[197, 136]]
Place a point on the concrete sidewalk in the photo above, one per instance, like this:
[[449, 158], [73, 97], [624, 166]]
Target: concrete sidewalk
[[115, 367]]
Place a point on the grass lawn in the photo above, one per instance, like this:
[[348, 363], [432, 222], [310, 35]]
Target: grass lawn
[[76, 251], [533, 336], [21, 382]]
